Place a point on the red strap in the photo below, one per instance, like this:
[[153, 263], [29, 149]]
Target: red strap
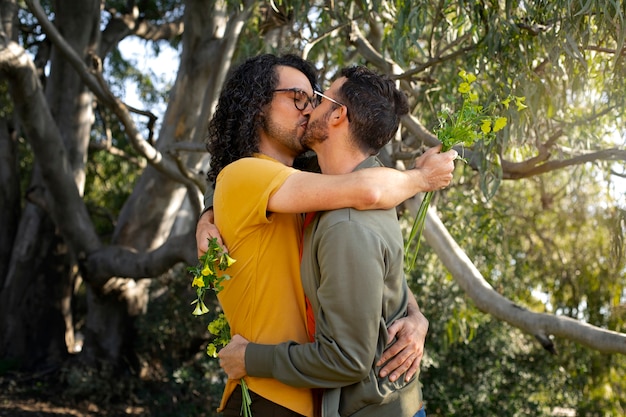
[[310, 317]]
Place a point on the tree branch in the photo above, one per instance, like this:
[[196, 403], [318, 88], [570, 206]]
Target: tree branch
[[122, 25], [113, 261], [97, 85], [41, 131], [529, 168], [369, 53], [606, 50], [540, 325]]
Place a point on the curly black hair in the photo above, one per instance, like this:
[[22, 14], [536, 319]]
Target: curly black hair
[[233, 129], [375, 106]]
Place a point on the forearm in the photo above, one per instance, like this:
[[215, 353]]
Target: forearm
[[385, 188], [308, 366], [347, 334], [388, 187], [413, 308], [205, 230], [365, 189], [415, 313], [207, 216], [341, 354]]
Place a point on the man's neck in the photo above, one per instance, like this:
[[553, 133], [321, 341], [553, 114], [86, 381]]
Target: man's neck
[[339, 159], [280, 154]]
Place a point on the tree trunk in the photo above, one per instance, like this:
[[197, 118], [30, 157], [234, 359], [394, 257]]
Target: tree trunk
[[148, 216], [9, 171], [32, 325], [9, 192], [42, 267]]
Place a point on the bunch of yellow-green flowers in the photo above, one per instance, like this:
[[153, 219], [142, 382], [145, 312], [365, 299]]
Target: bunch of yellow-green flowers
[[208, 275], [472, 123]]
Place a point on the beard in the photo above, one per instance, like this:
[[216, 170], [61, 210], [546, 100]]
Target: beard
[[289, 138], [316, 131]]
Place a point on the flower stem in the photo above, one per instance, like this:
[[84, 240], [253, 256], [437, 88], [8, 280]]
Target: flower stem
[[246, 400], [420, 220], [416, 230]]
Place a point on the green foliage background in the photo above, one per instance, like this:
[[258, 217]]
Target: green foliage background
[[479, 366]]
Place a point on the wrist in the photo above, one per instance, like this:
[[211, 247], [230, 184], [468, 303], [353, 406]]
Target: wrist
[[259, 360], [416, 177]]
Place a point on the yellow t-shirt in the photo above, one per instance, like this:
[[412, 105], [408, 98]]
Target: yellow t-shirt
[[263, 301]]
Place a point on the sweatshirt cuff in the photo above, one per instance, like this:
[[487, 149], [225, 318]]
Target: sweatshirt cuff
[[259, 360]]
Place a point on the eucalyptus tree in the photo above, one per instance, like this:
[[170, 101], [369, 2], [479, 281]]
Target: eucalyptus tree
[[566, 58], [54, 95]]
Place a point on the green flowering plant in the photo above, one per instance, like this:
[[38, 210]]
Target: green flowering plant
[[472, 123], [209, 275]]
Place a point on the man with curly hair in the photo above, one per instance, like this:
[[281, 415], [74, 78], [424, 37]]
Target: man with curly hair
[[254, 139]]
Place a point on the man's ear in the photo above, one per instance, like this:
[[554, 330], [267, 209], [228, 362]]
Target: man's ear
[[339, 115], [261, 112]]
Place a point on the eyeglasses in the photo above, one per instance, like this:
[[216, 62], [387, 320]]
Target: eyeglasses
[[333, 101], [300, 98], [328, 98]]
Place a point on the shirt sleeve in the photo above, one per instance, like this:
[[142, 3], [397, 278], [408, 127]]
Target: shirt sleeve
[[245, 187], [208, 197], [349, 320]]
